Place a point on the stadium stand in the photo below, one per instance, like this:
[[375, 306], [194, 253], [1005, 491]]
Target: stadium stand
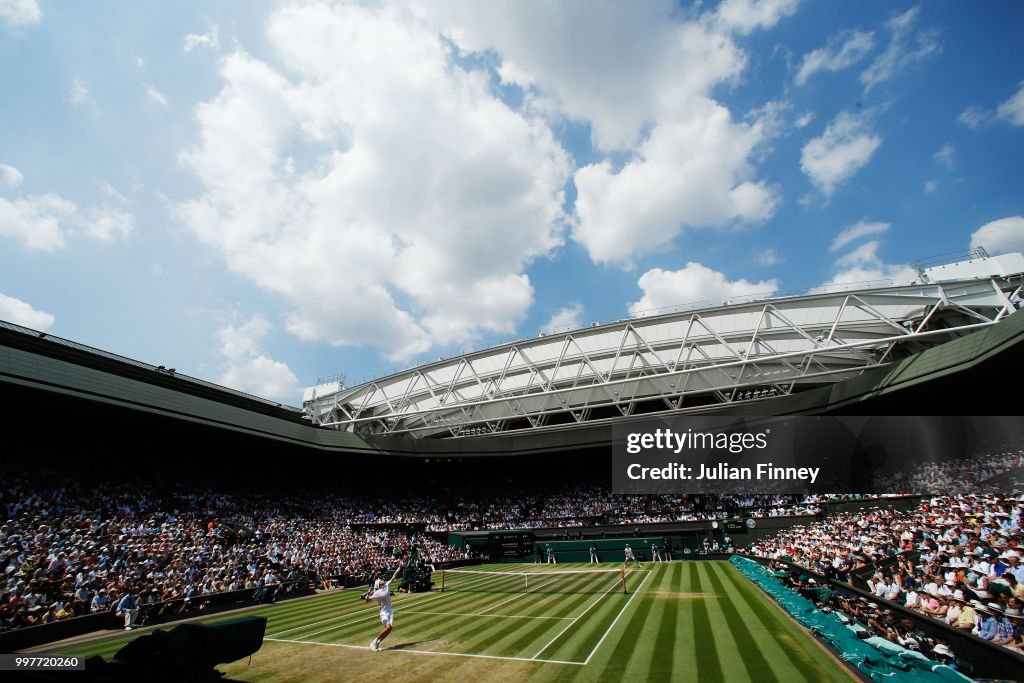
[[73, 547], [941, 579]]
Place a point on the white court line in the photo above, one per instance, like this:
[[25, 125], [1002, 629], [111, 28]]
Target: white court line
[[490, 616], [570, 624], [361, 607], [614, 621], [426, 652]]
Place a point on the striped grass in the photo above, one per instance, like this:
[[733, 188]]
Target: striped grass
[[692, 620]]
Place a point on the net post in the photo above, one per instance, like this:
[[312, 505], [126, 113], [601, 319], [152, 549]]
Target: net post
[[623, 571], [442, 581]]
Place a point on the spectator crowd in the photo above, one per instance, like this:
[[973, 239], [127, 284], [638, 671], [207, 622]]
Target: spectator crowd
[[68, 551], [956, 558], [70, 548]]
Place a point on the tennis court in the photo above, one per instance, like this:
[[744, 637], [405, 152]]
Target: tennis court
[[677, 621]]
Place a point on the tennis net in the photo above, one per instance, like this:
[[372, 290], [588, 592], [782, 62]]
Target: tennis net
[[556, 581]]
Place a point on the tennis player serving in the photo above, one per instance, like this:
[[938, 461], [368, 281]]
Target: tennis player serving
[[381, 592]]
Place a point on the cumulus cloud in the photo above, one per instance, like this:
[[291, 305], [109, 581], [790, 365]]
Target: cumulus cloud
[[113, 193], [746, 16], [769, 257], [693, 172], [688, 156], [946, 156], [249, 368], [841, 51], [43, 222], [863, 266], [108, 224], [906, 48], [194, 41], [835, 156], [567, 318], [974, 117], [594, 72], [856, 232], [20, 313], [693, 283], [10, 176], [16, 13], [154, 96], [36, 221], [381, 188], [79, 93], [1012, 110], [1000, 236]]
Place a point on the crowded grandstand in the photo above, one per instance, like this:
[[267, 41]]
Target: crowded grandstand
[[82, 545]]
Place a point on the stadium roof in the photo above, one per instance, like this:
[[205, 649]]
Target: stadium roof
[[699, 358], [61, 388]]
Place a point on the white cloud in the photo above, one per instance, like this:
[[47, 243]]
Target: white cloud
[[565, 319], [746, 16], [974, 117], [842, 50], [863, 266], [108, 224], [906, 48], [20, 313], [193, 41], [264, 377], [769, 257], [805, 120], [113, 193], [10, 176], [845, 147], [36, 220], [931, 186], [689, 160], [243, 341], [692, 172], [381, 189], [251, 370], [79, 92], [154, 96], [595, 72], [1012, 110], [856, 232], [693, 283], [140, 62], [1000, 236], [946, 156], [17, 13], [43, 222]]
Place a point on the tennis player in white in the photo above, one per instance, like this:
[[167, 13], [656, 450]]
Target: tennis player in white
[[381, 592]]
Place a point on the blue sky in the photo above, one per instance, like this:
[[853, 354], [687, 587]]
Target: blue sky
[[263, 193]]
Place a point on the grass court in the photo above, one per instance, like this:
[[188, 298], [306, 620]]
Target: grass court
[[693, 620]]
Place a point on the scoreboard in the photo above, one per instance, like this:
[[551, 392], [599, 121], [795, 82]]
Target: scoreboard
[[510, 544], [736, 526]]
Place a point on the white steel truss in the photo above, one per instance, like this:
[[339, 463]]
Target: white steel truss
[[678, 362]]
